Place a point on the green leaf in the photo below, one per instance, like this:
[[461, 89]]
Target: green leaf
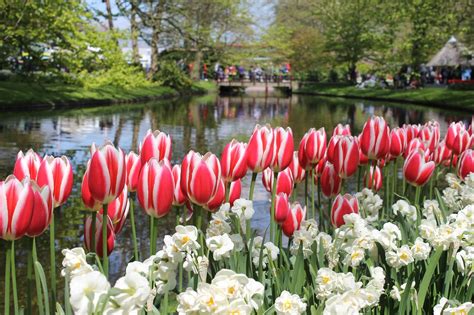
[[425, 283], [44, 285]]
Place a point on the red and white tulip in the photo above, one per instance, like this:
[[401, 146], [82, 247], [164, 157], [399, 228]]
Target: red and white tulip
[[27, 165], [312, 148], [282, 148], [346, 156], [416, 170], [134, 166], [98, 236], [156, 145], [375, 138], [293, 220], [260, 149], [342, 205], [234, 161], [56, 172]]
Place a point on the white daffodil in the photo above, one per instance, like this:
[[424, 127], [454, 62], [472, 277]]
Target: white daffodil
[[405, 209], [289, 304], [399, 257], [253, 293], [325, 283], [445, 308], [243, 208], [210, 299], [221, 246], [75, 263], [354, 256], [86, 290], [311, 226], [218, 226], [134, 291], [465, 259], [185, 238], [346, 304], [187, 302], [236, 307], [420, 249], [302, 239]]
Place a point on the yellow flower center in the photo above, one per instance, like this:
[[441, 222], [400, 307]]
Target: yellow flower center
[[234, 312], [326, 279], [287, 305], [76, 265], [231, 290], [355, 255], [210, 302], [185, 239], [404, 256]]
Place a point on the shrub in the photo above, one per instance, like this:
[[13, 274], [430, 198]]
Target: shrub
[[170, 75]]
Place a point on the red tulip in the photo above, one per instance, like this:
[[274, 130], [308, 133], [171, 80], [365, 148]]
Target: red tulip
[[346, 156], [372, 181], [343, 130], [27, 165], [331, 147], [57, 174], [117, 210], [284, 181], [397, 141], [200, 176], [442, 154], [98, 235], [156, 188], [283, 148], [297, 172], [178, 195], [282, 208], [453, 130], [218, 199], [87, 198], [234, 161], [330, 181], [134, 166], [107, 173], [156, 145], [414, 145], [312, 148], [293, 220], [416, 170], [462, 142], [318, 170], [260, 149], [465, 165], [235, 191], [412, 132], [429, 133], [42, 210], [16, 207], [375, 138], [342, 205]]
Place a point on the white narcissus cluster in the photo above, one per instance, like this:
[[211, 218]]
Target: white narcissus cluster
[[459, 194], [243, 209], [369, 204], [268, 252], [306, 236], [228, 293], [445, 307], [405, 209], [289, 304]]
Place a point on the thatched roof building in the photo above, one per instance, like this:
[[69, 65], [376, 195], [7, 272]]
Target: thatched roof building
[[452, 54]]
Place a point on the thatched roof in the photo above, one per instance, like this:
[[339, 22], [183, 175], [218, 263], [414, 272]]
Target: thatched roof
[[452, 54]]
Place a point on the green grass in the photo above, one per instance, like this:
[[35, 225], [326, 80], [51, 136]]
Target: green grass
[[14, 94], [439, 97]]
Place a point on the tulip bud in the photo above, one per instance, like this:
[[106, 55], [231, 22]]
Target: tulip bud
[[282, 207], [429, 134], [156, 145], [453, 130], [297, 172], [343, 130], [218, 199], [16, 208], [284, 181], [465, 165], [27, 165], [260, 149], [331, 147], [283, 148], [155, 188], [98, 236], [442, 154], [293, 221], [342, 205], [42, 210], [318, 170], [89, 201], [312, 148], [375, 138], [134, 166], [414, 145], [412, 132], [372, 181], [346, 156], [57, 174], [461, 142], [330, 181], [178, 195], [416, 170], [107, 173], [234, 161], [117, 210], [397, 141]]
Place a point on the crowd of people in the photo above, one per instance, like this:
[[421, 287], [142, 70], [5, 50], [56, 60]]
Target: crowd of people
[[253, 73]]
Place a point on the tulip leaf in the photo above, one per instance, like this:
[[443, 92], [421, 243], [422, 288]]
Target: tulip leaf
[[44, 285], [426, 281]]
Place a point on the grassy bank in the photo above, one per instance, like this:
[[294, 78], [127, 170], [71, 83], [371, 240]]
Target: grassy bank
[[19, 95], [436, 97]]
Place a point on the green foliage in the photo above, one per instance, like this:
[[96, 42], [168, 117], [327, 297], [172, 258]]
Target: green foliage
[[170, 75]]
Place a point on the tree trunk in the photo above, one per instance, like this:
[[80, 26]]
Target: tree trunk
[[197, 65], [155, 36], [109, 14], [134, 35], [353, 73]]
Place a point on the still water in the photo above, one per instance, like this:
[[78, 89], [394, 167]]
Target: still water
[[202, 124]]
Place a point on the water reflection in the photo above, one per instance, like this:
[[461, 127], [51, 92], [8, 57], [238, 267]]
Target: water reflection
[[202, 124]]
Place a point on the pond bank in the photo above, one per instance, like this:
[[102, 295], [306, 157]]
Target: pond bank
[[433, 97], [27, 96]]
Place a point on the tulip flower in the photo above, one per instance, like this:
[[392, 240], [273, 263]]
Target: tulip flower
[[293, 220], [429, 134], [442, 154], [461, 142], [330, 181], [57, 174], [16, 208], [412, 132], [312, 148], [416, 170], [283, 148], [453, 130], [178, 195], [156, 145], [134, 166], [372, 181], [465, 164], [42, 210], [331, 147], [260, 149], [98, 236], [282, 208], [235, 191], [155, 188], [234, 161], [284, 181], [375, 138], [346, 156], [117, 210], [86, 195], [318, 170], [27, 165], [414, 145], [343, 130], [298, 173], [398, 141], [342, 205], [218, 199], [200, 177], [107, 172]]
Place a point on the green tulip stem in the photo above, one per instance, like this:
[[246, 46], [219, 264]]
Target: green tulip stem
[[105, 257]]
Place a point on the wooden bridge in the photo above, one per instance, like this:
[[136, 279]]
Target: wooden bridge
[[233, 87]]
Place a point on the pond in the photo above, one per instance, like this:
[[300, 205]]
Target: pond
[[202, 124]]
